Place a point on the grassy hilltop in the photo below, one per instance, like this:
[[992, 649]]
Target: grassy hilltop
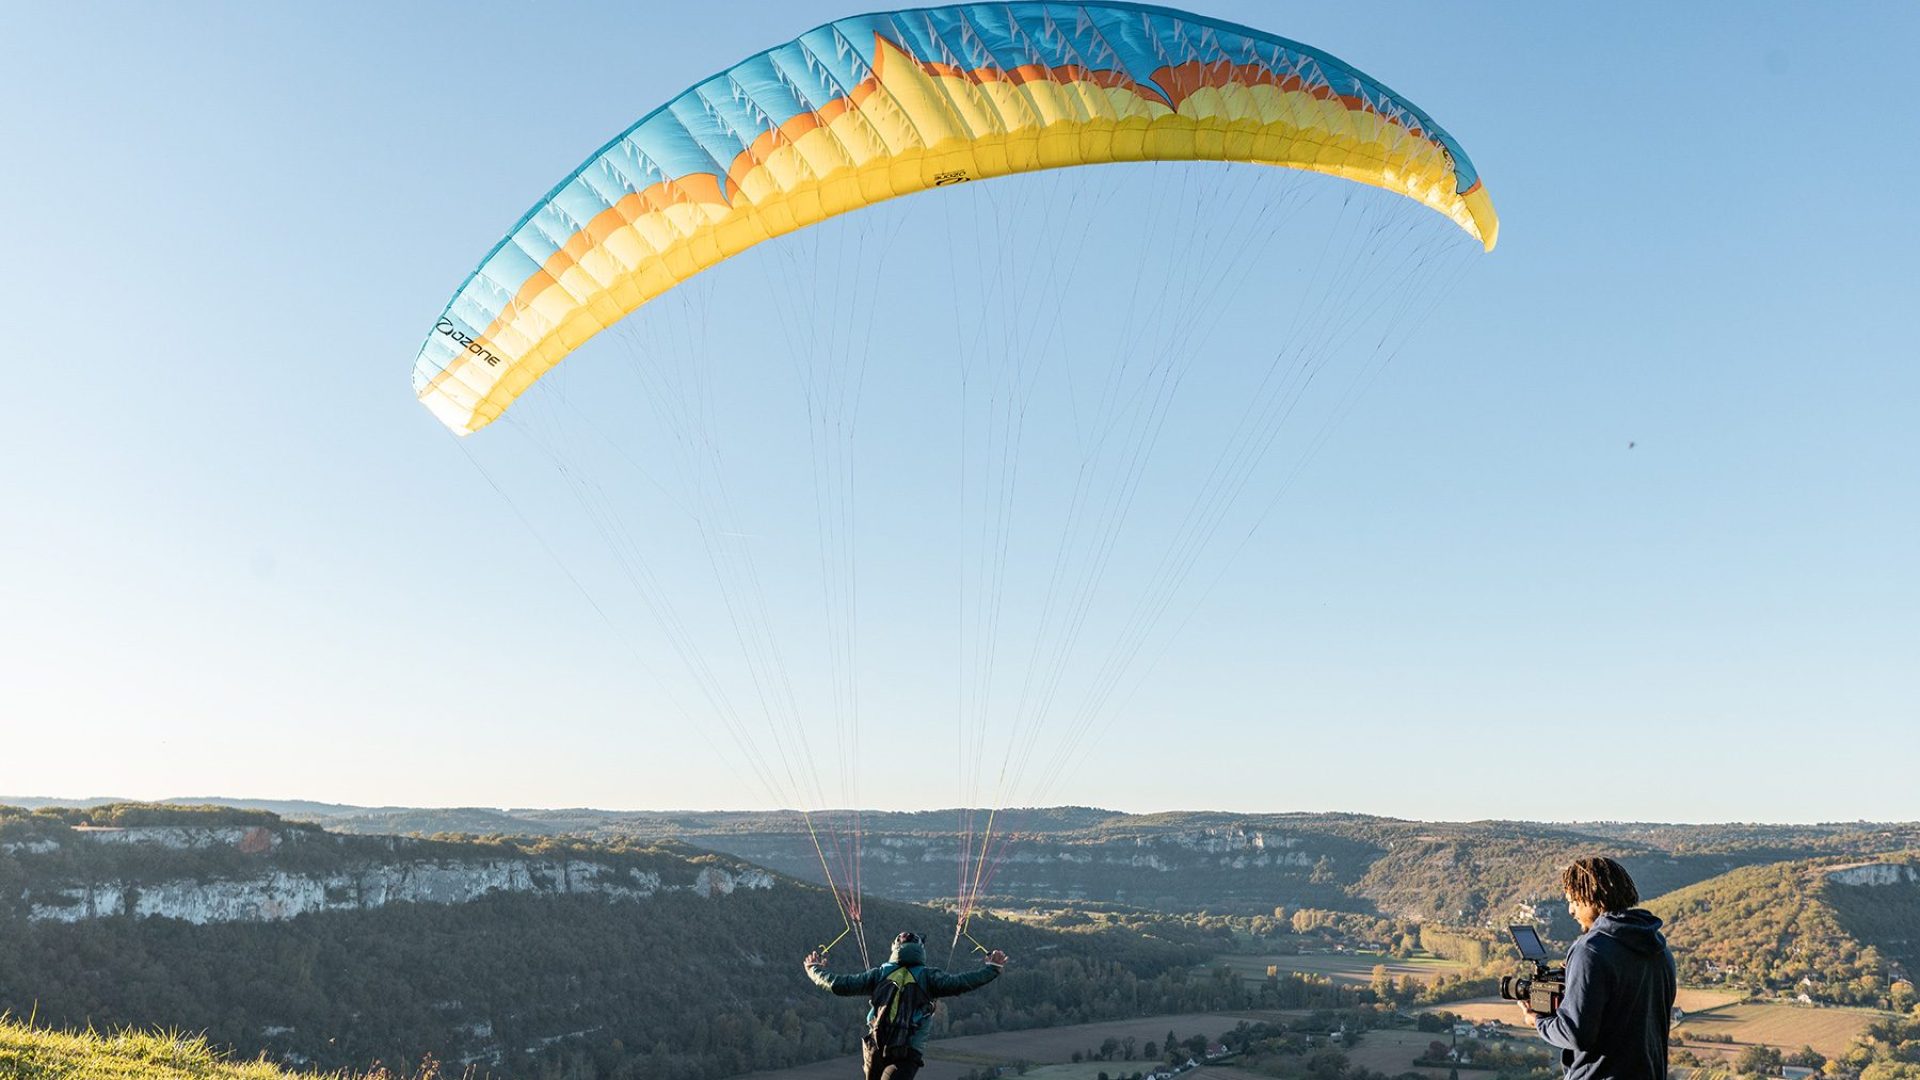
[[33, 1053]]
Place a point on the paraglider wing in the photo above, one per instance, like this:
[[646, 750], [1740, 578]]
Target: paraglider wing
[[876, 106]]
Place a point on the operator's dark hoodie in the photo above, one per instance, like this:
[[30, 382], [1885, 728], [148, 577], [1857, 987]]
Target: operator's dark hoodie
[[1612, 1025]]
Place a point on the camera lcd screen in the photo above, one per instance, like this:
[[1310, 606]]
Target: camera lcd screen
[[1529, 942]]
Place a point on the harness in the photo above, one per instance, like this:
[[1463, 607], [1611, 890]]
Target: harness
[[901, 1003]]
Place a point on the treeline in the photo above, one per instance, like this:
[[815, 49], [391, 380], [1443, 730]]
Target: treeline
[[15, 821]]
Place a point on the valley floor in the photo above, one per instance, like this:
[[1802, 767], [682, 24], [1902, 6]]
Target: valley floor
[[952, 1059], [1346, 968], [1717, 1014]]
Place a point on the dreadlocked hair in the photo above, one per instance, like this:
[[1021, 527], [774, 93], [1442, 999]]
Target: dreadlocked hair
[[1600, 881]]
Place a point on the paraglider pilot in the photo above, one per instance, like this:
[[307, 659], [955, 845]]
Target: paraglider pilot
[[900, 995]]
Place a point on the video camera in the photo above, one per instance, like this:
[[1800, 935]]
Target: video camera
[[1541, 990]]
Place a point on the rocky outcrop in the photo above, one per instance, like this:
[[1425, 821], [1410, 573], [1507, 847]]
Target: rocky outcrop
[[278, 894], [1875, 874], [252, 839]]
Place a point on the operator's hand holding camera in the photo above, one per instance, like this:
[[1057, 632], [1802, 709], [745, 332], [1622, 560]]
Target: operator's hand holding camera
[[1608, 1007]]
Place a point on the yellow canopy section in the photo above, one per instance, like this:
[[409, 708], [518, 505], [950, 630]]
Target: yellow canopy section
[[868, 109]]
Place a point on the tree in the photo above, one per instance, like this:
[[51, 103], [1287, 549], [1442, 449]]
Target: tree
[[1327, 1065], [1901, 997], [1757, 1059], [1806, 1057], [1382, 983], [1109, 1047], [1126, 1048], [1151, 1050]]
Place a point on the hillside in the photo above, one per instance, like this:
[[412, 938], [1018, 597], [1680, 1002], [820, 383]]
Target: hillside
[[1456, 872], [1836, 930], [624, 959]]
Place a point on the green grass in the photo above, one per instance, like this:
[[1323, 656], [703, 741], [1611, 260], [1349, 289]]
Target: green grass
[[33, 1053]]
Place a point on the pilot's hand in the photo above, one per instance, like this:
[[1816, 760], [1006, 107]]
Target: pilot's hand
[[996, 958], [814, 959]]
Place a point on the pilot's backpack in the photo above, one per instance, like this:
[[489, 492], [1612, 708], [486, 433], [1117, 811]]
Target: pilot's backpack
[[900, 1003]]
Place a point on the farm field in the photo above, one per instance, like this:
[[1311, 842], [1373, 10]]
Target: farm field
[[1690, 1000], [950, 1059], [1719, 1012], [1789, 1027], [1693, 999], [1351, 968], [1392, 1050], [1092, 1071]]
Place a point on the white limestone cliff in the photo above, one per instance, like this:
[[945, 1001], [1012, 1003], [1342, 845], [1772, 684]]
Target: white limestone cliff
[[277, 894]]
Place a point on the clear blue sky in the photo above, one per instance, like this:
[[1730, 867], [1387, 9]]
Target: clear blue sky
[[237, 558]]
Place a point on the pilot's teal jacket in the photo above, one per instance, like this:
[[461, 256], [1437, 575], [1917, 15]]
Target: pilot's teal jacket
[[912, 956]]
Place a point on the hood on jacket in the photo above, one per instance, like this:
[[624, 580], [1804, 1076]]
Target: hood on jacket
[[1636, 928], [910, 954]]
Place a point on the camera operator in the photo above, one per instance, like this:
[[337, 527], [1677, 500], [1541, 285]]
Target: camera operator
[[1612, 1022]]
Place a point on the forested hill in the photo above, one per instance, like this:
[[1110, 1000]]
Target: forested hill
[[1836, 930], [1453, 872], [620, 959]]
